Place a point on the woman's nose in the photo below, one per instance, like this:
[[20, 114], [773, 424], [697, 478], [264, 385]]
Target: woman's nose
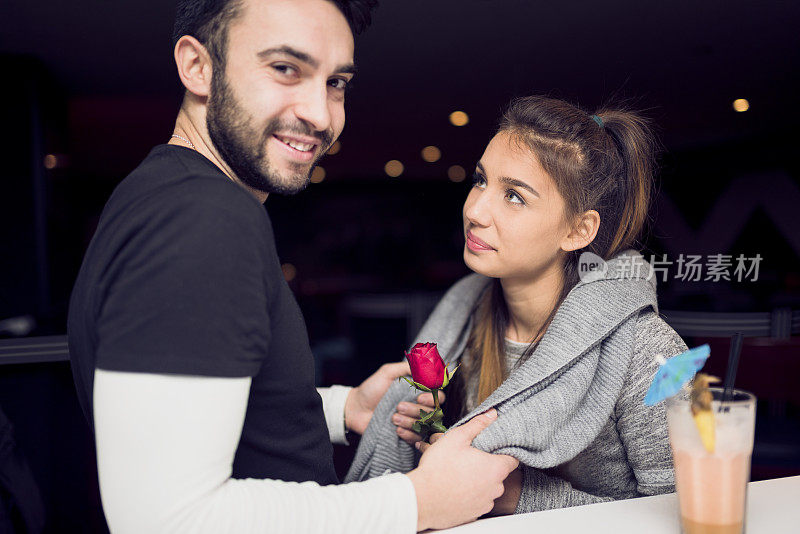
[[476, 209]]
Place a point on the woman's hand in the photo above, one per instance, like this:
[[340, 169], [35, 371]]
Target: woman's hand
[[408, 413], [506, 504]]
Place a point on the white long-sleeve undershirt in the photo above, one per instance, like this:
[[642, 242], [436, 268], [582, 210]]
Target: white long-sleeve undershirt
[[333, 400], [165, 449]]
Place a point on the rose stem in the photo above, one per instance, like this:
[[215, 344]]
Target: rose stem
[[435, 399]]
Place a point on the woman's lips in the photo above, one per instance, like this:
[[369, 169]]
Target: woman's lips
[[473, 243]]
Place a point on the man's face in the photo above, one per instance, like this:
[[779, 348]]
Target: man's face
[[279, 103]]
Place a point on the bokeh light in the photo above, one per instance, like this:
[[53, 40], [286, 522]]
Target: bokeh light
[[459, 118], [317, 175], [456, 173], [289, 271], [394, 168], [431, 154], [741, 105]]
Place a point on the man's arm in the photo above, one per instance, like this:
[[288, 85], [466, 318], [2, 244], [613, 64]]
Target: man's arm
[[165, 447], [333, 402]]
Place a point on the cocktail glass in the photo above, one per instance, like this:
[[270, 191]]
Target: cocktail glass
[[712, 486]]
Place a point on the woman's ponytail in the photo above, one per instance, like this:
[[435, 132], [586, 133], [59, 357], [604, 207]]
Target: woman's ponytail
[[636, 149]]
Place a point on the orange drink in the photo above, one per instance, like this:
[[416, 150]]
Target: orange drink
[[712, 486]]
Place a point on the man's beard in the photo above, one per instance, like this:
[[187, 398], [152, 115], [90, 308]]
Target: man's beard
[[244, 149]]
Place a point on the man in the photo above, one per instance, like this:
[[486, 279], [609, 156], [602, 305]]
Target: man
[[189, 351]]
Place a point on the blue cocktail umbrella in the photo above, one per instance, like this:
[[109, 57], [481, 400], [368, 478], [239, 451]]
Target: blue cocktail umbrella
[[675, 372]]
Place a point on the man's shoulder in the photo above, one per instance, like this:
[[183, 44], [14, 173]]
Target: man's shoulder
[[168, 163], [174, 178], [166, 205]]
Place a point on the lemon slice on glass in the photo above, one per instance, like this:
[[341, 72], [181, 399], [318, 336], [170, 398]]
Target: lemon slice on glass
[[700, 400]]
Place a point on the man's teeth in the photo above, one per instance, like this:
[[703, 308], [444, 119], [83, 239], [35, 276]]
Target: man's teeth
[[302, 147]]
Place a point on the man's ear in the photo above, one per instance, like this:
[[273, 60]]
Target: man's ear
[[194, 65], [583, 231]]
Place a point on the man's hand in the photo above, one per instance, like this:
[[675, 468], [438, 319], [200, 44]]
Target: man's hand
[[512, 489], [362, 400], [507, 503], [456, 483]]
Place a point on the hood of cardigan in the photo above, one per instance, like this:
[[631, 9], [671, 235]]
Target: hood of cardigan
[[627, 265], [604, 298]]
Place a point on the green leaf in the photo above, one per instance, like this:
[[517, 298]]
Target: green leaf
[[421, 387], [423, 429], [438, 427], [415, 384], [454, 371], [435, 415], [426, 416], [448, 375]]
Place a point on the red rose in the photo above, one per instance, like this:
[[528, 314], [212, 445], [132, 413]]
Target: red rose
[[428, 373], [427, 367]]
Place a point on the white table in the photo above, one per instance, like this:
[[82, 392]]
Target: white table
[[773, 507]]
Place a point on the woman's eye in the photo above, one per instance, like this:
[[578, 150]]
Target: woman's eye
[[478, 181], [513, 197]]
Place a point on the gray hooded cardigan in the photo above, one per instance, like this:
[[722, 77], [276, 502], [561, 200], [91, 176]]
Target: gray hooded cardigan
[[572, 414]]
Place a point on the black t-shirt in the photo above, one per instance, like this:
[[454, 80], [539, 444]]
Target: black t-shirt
[[182, 277]]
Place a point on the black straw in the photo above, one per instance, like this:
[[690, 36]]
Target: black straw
[[733, 365]]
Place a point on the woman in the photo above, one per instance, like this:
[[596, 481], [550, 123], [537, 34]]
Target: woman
[[564, 357]]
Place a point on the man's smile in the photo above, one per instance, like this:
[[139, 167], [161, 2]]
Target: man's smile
[[297, 144], [297, 150]]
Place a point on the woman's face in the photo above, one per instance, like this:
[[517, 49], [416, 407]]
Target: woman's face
[[514, 216]]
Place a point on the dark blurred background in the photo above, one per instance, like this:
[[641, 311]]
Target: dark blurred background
[[89, 87]]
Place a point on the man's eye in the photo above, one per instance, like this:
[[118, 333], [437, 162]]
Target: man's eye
[[286, 70], [338, 83], [478, 180]]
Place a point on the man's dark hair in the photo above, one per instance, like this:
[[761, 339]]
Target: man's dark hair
[[208, 21]]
